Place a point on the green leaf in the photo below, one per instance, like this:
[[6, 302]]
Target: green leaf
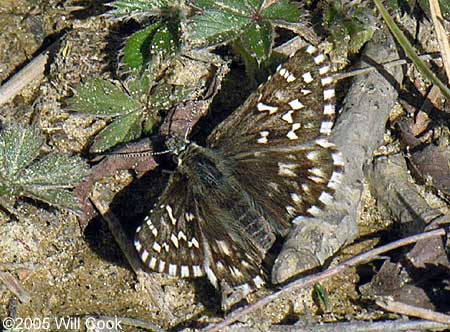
[[164, 42], [257, 40], [282, 10], [138, 87], [54, 171], [136, 52], [19, 146], [46, 179], [121, 130], [149, 125], [60, 198], [350, 29], [138, 7], [159, 39], [102, 98], [234, 7], [214, 27]]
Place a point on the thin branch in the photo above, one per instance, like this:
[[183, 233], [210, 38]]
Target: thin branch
[[32, 71], [358, 326], [410, 310], [312, 279], [441, 35]]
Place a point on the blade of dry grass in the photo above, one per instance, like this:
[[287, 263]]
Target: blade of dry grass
[[441, 35]]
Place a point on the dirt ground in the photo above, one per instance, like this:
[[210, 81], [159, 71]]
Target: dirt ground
[[70, 272]]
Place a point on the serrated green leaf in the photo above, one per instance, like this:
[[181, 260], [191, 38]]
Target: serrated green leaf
[[349, 29], [164, 43], [234, 7], [19, 146], [149, 125], [282, 10], [138, 7], [54, 171], [136, 52], [101, 98], [121, 130], [257, 40], [60, 198], [215, 27], [138, 87]]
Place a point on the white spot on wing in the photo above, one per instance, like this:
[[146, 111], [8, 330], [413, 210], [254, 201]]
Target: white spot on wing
[[291, 78], [328, 94], [197, 271], [323, 70], [338, 160], [184, 271], [291, 134], [311, 49], [258, 281], [162, 266], [296, 198], [307, 77], [287, 169], [152, 263], [288, 117], [174, 240], [296, 104], [144, 255], [137, 245], [263, 139], [156, 247], [305, 92], [170, 213], [326, 198], [263, 107], [325, 127], [335, 180], [319, 59], [172, 270], [313, 155], [314, 210], [182, 236], [326, 80], [324, 143], [211, 276], [329, 109]]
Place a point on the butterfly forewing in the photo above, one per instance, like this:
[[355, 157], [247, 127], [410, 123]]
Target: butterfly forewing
[[267, 163], [294, 106]]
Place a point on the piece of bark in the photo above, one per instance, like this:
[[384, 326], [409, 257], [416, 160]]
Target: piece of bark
[[358, 132]]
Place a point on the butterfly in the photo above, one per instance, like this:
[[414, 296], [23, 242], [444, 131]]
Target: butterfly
[[267, 163]]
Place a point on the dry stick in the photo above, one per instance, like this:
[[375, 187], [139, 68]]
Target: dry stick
[[441, 35], [359, 326], [311, 280], [31, 72], [410, 310], [365, 70], [15, 287]]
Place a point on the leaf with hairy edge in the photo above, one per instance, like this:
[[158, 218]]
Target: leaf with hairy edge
[[282, 10], [138, 7], [46, 179], [19, 146], [123, 129], [101, 98], [54, 171], [257, 40]]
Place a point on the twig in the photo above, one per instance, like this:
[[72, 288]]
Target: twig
[[384, 326], [441, 34], [31, 72], [410, 310], [15, 287], [389, 64], [119, 235], [312, 279]]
